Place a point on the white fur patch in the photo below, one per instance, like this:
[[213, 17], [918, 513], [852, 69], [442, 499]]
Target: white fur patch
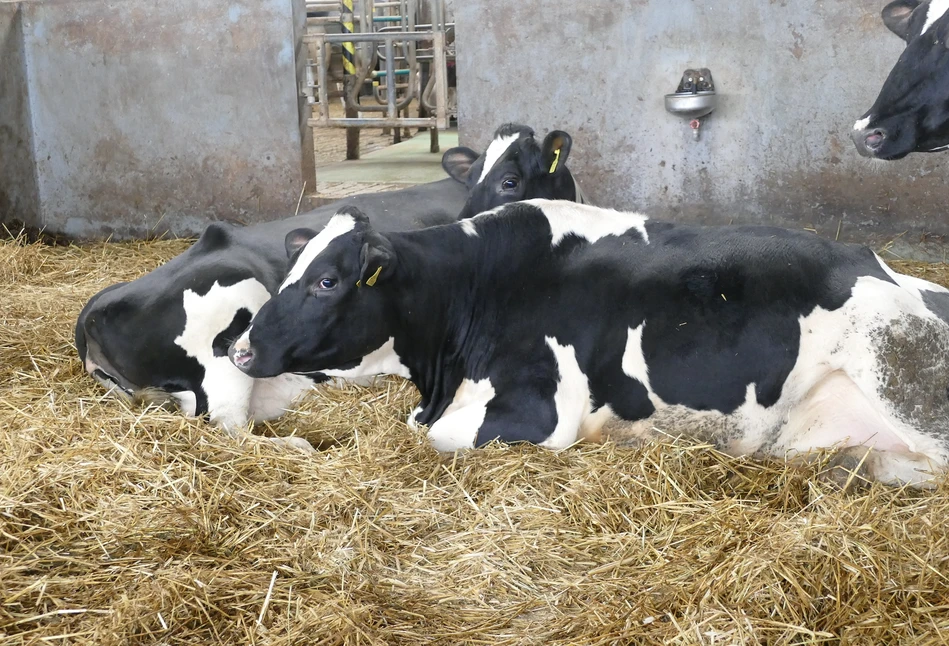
[[228, 389], [187, 402], [587, 221], [337, 226], [458, 426], [412, 422], [381, 361], [274, 396], [469, 228], [862, 124], [243, 341], [572, 398], [937, 9], [634, 362], [495, 149], [910, 283]]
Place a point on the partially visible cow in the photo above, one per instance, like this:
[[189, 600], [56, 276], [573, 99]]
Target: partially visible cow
[[549, 322], [514, 168], [911, 113], [164, 336]]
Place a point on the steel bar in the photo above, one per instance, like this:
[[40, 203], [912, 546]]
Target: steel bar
[[363, 122]]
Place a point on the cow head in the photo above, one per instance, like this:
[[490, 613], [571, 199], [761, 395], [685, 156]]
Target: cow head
[[164, 337], [124, 350], [911, 113], [329, 312], [513, 168]]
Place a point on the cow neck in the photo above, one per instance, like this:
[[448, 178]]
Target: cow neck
[[438, 310]]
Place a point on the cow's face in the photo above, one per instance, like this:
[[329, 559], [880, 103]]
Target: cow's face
[[513, 168], [328, 313], [125, 349], [911, 113], [168, 343]]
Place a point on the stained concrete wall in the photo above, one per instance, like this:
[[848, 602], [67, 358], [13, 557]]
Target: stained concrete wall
[[793, 76], [152, 117], [19, 194]]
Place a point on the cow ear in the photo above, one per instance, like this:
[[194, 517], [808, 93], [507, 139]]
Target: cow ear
[[555, 150], [377, 260], [897, 15], [457, 162], [297, 239]]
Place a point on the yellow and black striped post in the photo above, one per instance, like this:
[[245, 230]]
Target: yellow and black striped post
[[349, 78], [349, 50]]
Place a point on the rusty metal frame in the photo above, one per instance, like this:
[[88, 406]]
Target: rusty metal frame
[[439, 68]]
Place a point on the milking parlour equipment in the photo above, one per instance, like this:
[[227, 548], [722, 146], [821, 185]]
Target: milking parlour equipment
[[381, 59], [694, 98]]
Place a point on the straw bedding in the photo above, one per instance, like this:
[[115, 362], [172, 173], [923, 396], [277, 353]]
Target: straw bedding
[[128, 525]]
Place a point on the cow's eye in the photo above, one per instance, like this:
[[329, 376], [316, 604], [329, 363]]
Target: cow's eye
[[328, 283], [509, 184]]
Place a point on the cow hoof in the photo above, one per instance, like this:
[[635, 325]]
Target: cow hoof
[[294, 442], [848, 470]]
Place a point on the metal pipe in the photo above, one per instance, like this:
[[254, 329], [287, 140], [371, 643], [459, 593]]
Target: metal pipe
[[441, 81], [362, 122], [426, 98], [414, 36], [390, 81], [379, 73], [321, 73]]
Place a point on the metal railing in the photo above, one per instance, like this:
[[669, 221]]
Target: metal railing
[[376, 46]]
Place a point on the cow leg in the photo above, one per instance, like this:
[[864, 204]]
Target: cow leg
[[477, 415], [233, 408], [837, 413], [458, 426], [859, 465]]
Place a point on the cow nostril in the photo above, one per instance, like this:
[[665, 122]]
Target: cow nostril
[[875, 139], [242, 358]]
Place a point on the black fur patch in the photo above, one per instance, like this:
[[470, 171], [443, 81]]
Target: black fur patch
[[238, 324]]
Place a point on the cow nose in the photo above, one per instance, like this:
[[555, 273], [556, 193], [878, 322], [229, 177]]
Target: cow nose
[[241, 357], [874, 139]]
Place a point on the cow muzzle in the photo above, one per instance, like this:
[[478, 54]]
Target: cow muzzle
[[241, 354], [243, 358], [869, 141]]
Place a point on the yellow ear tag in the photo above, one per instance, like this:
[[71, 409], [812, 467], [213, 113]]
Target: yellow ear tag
[[553, 166], [359, 283], [372, 279]]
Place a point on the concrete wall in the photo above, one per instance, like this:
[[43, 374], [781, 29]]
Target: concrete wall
[[19, 195], [152, 117], [793, 76]]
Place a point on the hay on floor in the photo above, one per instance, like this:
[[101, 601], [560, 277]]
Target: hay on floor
[[124, 525]]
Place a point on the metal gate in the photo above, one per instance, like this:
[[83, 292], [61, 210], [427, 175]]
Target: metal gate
[[394, 63]]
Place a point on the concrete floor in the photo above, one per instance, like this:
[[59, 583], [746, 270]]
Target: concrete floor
[[396, 166]]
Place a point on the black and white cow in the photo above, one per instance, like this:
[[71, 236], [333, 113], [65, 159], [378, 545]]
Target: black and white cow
[[164, 336], [514, 168], [911, 113], [549, 322]]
